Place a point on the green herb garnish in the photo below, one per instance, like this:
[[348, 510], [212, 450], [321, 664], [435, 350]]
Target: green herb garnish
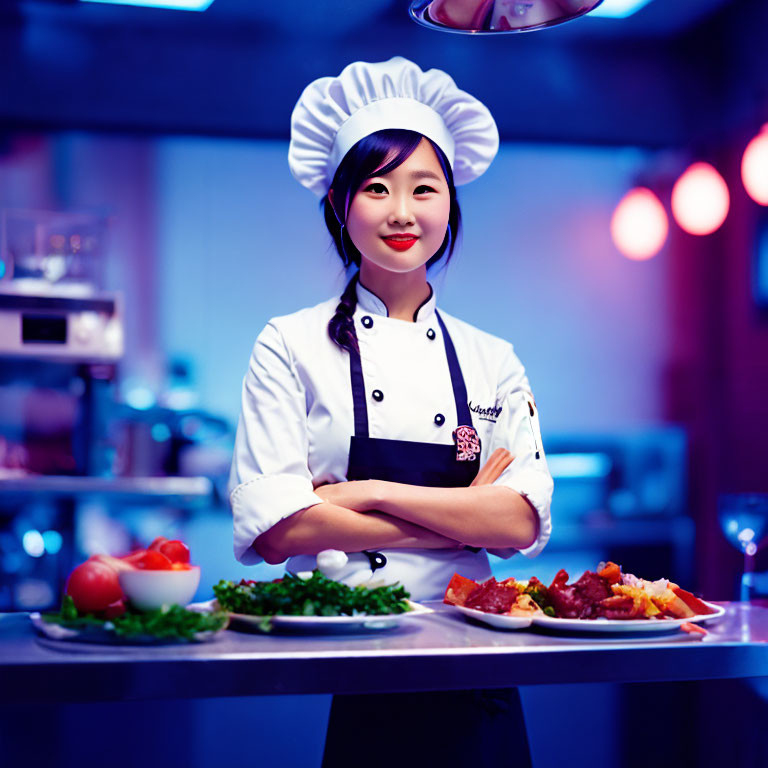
[[538, 593], [173, 623], [315, 596]]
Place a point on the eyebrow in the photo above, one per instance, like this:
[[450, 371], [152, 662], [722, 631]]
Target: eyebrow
[[425, 175]]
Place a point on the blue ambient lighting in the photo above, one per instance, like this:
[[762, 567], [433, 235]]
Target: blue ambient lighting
[[175, 5], [760, 276], [160, 432], [2, 270], [52, 541], [33, 543], [579, 464], [140, 398], [619, 9]]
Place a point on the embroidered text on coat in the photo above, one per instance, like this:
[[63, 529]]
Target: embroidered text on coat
[[488, 414]]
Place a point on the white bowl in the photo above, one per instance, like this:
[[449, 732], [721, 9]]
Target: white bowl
[[152, 590]]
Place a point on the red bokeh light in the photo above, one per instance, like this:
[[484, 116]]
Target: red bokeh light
[[754, 167], [700, 199], [639, 225]]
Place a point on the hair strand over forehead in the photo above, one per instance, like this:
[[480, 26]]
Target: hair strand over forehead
[[377, 155]]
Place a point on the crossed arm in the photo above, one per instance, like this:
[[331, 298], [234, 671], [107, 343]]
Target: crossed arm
[[373, 514]]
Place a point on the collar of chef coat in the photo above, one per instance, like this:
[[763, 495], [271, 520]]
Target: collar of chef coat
[[370, 303]]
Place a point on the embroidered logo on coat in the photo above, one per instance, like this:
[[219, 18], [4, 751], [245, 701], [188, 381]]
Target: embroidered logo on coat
[[486, 414], [467, 443]]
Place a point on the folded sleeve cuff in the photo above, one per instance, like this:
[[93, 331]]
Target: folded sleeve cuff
[[536, 487], [262, 502]]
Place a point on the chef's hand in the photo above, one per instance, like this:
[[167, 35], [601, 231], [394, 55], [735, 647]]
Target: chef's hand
[[496, 463]]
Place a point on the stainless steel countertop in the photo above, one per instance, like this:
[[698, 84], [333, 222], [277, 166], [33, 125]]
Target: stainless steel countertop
[[440, 651]]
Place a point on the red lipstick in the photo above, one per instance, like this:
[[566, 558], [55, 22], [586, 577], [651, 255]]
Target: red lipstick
[[400, 242]]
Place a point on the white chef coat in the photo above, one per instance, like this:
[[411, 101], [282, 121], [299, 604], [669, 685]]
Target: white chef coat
[[297, 418]]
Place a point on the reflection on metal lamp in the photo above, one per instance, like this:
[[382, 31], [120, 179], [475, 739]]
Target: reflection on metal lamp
[[497, 16]]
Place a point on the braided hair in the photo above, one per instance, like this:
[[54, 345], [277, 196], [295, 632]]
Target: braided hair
[[341, 327], [376, 154]]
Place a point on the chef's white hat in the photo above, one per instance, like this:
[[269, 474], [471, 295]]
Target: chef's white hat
[[334, 113]]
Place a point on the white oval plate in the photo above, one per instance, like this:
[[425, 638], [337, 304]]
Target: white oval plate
[[498, 620], [501, 621], [318, 624], [624, 625]]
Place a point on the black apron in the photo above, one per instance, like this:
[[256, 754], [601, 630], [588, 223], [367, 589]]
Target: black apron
[[405, 461], [371, 730]]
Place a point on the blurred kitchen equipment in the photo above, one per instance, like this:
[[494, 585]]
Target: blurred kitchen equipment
[[472, 17], [744, 521], [68, 442], [618, 496], [52, 303]]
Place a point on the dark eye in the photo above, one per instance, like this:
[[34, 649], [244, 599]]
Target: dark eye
[[376, 188], [423, 189]]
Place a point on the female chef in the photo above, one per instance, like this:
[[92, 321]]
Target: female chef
[[396, 436]]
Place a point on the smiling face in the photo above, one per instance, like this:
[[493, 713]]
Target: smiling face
[[398, 221]]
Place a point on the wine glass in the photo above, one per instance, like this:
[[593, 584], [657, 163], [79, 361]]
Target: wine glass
[[744, 521]]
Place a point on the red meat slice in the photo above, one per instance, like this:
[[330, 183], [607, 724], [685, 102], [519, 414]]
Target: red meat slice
[[617, 607], [564, 599], [592, 588], [492, 597], [578, 600]]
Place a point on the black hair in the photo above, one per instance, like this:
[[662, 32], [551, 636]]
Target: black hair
[[375, 155]]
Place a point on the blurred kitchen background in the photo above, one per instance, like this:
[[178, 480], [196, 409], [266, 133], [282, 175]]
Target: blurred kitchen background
[[150, 228]]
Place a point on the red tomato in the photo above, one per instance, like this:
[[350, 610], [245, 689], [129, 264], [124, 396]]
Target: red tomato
[[134, 557], [115, 563], [154, 561], [113, 610], [93, 586], [459, 589], [157, 543], [176, 551]]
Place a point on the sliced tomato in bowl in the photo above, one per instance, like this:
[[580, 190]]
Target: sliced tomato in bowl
[[133, 557], [153, 561], [176, 551], [157, 543]]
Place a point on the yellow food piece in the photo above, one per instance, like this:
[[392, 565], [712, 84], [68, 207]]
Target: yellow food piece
[[644, 604], [523, 606]]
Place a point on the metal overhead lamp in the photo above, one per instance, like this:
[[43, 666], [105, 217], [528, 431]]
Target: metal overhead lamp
[[619, 9], [471, 17]]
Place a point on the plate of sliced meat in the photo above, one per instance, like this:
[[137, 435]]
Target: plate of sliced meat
[[605, 600], [626, 625]]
